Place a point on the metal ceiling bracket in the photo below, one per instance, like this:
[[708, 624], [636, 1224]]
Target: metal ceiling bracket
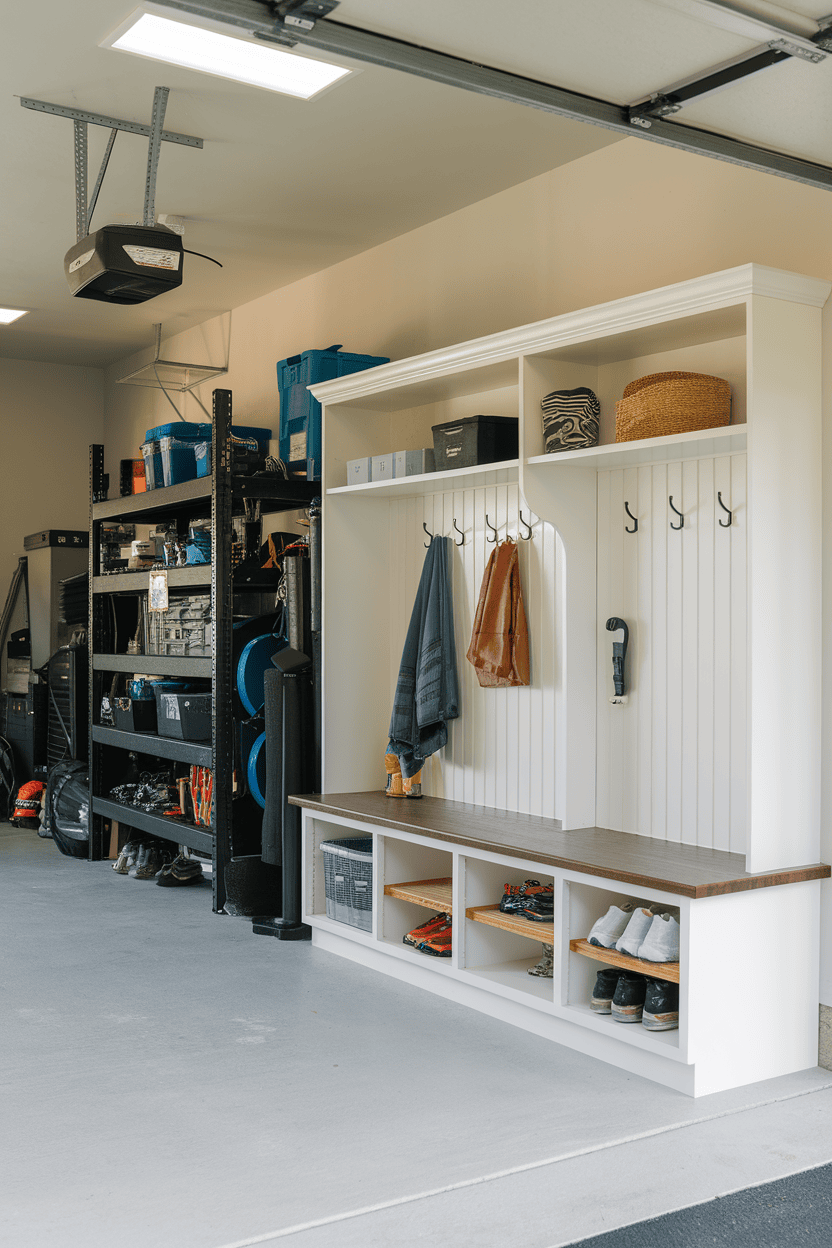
[[104, 163], [111, 123], [252, 18], [80, 179], [160, 103]]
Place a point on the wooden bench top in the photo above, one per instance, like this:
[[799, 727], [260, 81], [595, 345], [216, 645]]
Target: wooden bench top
[[640, 860]]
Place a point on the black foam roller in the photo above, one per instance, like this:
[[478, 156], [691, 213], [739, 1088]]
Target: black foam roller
[[273, 814]]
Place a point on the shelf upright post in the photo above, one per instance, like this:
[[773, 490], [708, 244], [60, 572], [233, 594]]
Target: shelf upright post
[[221, 614], [95, 644]]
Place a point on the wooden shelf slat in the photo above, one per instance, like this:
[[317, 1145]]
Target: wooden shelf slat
[[656, 970], [494, 917], [432, 894]]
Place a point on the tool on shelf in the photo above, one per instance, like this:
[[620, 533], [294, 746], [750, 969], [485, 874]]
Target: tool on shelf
[[619, 653]]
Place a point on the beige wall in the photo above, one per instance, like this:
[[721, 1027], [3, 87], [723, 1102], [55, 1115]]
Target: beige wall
[[49, 415]]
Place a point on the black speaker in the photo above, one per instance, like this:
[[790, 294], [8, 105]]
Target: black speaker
[[67, 696]]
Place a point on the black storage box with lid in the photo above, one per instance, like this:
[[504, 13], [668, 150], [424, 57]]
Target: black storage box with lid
[[474, 440], [186, 716], [134, 714]]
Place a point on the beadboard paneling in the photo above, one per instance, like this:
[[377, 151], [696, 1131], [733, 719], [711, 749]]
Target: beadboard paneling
[[672, 764], [501, 750]]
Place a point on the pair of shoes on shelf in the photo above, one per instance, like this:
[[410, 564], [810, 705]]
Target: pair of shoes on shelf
[[633, 998], [531, 900], [181, 871], [399, 785], [433, 937], [639, 931], [545, 968]]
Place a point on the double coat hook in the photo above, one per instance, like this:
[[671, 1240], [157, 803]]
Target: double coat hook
[[461, 541]]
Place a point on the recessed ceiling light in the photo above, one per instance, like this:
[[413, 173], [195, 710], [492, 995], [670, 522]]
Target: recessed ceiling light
[[7, 315], [147, 33]]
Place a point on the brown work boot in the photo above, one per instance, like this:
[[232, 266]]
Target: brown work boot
[[394, 776], [413, 786]]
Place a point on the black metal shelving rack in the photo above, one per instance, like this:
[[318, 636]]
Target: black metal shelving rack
[[224, 495]]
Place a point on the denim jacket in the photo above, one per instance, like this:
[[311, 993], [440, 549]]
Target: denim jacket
[[427, 694]]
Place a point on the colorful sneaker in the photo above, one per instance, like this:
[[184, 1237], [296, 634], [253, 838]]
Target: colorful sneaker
[[661, 1006], [394, 776], [123, 863], [531, 900], [606, 930], [433, 926], [606, 983], [438, 944], [661, 944], [635, 931], [545, 968], [628, 998]]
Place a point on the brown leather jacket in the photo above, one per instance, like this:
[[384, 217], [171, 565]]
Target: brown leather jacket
[[499, 648]]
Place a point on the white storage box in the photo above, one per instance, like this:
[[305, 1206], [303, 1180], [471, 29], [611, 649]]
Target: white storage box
[[358, 471], [413, 463], [381, 468]]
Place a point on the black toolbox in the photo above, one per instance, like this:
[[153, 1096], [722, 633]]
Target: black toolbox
[[474, 440]]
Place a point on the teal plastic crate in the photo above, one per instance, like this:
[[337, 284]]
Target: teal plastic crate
[[300, 413]]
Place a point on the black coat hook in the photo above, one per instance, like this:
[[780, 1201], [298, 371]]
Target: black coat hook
[[725, 524], [524, 537], [634, 529], [493, 530], [681, 523], [427, 530], [461, 541]]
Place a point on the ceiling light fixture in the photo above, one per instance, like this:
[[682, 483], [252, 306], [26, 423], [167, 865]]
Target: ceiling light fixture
[[147, 33], [7, 315]]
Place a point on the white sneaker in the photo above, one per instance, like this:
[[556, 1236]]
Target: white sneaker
[[606, 930], [661, 944], [637, 928]]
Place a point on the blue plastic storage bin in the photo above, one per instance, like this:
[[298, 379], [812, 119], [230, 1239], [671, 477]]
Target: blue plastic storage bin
[[152, 464], [300, 413], [178, 461]]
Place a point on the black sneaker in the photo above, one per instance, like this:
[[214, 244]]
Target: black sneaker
[[661, 1006], [602, 994], [628, 998], [183, 870], [531, 900]]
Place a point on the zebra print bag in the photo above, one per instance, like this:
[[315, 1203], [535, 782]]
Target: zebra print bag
[[570, 419]]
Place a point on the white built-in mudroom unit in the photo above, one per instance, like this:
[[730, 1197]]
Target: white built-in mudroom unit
[[702, 791]]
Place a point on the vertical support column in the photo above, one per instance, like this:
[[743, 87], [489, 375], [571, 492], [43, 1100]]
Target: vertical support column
[[784, 593], [221, 666], [80, 179], [95, 644]]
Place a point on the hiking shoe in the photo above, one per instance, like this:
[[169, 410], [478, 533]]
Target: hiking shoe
[[126, 858], [606, 983], [437, 924], [152, 863], [531, 900], [628, 998], [139, 862], [661, 944], [606, 930], [545, 968], [635, 931], [661, 1005], [438, 944], [183, 870]]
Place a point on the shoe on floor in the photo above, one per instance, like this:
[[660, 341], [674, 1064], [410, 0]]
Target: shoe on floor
[[183, 870], [433, 927], [661, 944], [139, 862], [628, 998], [606, 930], [661, 1005], [438, 944], [635, 931], [153, 861], [545, 968], [126, 857], [603, 992]]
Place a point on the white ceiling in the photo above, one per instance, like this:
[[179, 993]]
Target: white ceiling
[[283, 187]]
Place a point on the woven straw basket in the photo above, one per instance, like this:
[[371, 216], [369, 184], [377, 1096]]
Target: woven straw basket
[[668, 403]]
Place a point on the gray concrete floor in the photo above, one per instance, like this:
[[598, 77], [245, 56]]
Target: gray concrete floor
[[171, 1079]]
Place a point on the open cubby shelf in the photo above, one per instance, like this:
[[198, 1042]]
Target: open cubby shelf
[[494, 917], [432, 894], [656, 970]]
